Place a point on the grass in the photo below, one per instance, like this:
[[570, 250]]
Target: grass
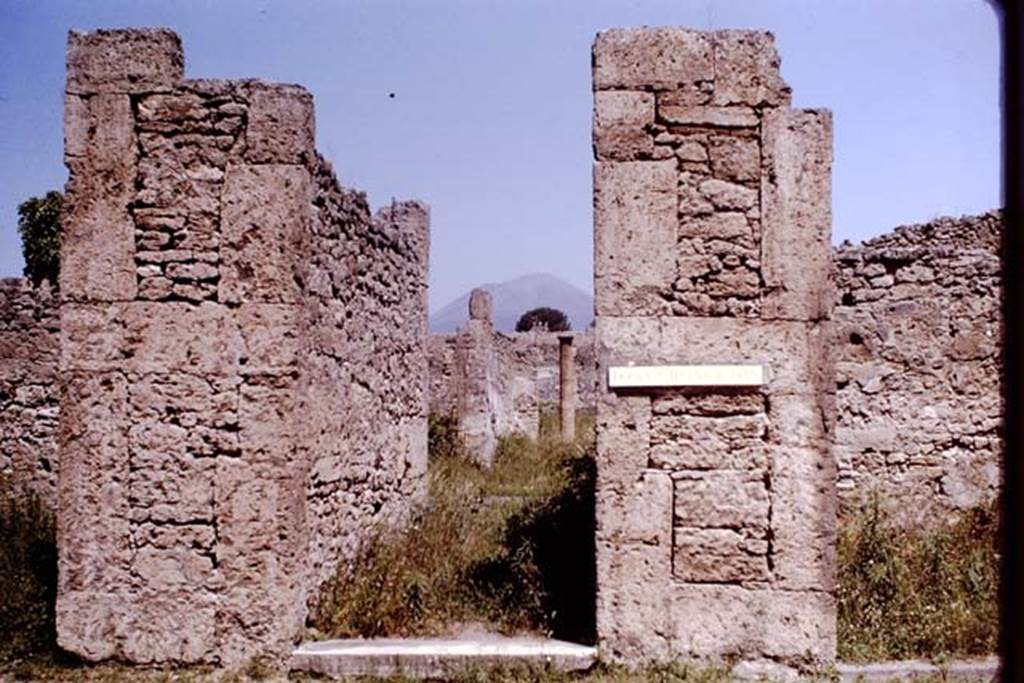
[[510, 546], [926, 593], [28, 574]]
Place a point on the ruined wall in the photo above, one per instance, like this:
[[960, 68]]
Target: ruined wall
[[715, 506], [496, 384], [215, 303], [365, 361], [919, 373], [29, 391]]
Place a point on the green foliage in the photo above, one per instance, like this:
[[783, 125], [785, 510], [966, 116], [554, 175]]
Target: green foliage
[[551, 319], [917, 593], [511, 546], [28, 574], [39, 224]]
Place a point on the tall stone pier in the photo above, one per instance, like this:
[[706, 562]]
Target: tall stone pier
[[220, 385], [715, 484]]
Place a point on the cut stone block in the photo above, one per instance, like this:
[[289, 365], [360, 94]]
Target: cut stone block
[[660, 58], [635, 241], [280, 126], [124, 61], [634, 617], [636, 512], [747, 69], [718, 556], [721, 499], [796, 191], [266, 217]]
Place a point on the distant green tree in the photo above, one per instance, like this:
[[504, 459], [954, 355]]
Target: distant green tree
[[39, 226], [551, 319]]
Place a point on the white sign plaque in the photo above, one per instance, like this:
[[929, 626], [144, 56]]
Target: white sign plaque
[[639, 376]]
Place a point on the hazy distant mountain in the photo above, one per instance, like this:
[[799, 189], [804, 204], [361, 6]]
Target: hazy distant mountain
[[515, 297]]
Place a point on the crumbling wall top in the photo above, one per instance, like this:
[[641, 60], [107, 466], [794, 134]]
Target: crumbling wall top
[[124, 61], [719, 68]]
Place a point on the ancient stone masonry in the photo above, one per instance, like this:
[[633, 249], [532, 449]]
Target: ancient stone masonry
[[29, 391], [919, 373], [715, 506], [496, 384], [233, 324]]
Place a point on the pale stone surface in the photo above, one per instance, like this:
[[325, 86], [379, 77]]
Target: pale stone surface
[[658, 58], [480, 305], [97, 244], [751, 564], [797, 258], [123, 61], [223, 348], [266, 215], [280, 127], [635, 209]]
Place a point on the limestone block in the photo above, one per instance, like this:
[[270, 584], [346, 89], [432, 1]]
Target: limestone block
[[280, 126], [798, 421], [803, 485], [92, 337], [98, 240], [721, 499], [639, 511], [623, 438], [696, 442], [266, 217], [124, 61], [267, 419], [718, 556], [727, 196], [180, 337], [634, 235], [747, 70], [796, 206], [660, 58], [719, 621], [712, 117], [169, 486], [170, 626], [634, 592], [621, 122], [270, 335], [735, 159], [791, 352], [89, 623], [725, 225]]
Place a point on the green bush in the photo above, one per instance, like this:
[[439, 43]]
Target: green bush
[[511, 546], [917, 593], [28, 575], [39, 224]]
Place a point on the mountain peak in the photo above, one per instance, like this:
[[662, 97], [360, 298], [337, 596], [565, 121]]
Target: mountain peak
[[515, 297]]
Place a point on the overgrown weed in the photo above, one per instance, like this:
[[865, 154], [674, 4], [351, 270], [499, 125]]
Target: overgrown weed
[[510, 546], [906, 593]]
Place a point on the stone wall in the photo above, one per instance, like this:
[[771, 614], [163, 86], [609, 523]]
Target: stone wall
[[232, 323], [919, 373], [495, 383], [715, 506], [29, 390]]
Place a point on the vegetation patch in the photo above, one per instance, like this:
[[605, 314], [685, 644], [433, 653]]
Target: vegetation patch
[[906, 594], [28, 574], [511, 546]]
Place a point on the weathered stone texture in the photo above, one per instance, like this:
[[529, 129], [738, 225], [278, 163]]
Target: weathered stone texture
[[919, 337], [231, 321], [713, 505], [29, 391], [523, 377], [364, 364]]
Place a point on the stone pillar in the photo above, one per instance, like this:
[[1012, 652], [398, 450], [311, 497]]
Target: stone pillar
[[567, 386], [715, 506], [181, 493], [477, 370]]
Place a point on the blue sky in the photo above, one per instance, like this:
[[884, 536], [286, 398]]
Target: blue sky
[[490, 122]]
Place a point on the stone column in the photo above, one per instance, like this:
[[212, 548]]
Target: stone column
[[567, 386], [715, 506], [477, 380]]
